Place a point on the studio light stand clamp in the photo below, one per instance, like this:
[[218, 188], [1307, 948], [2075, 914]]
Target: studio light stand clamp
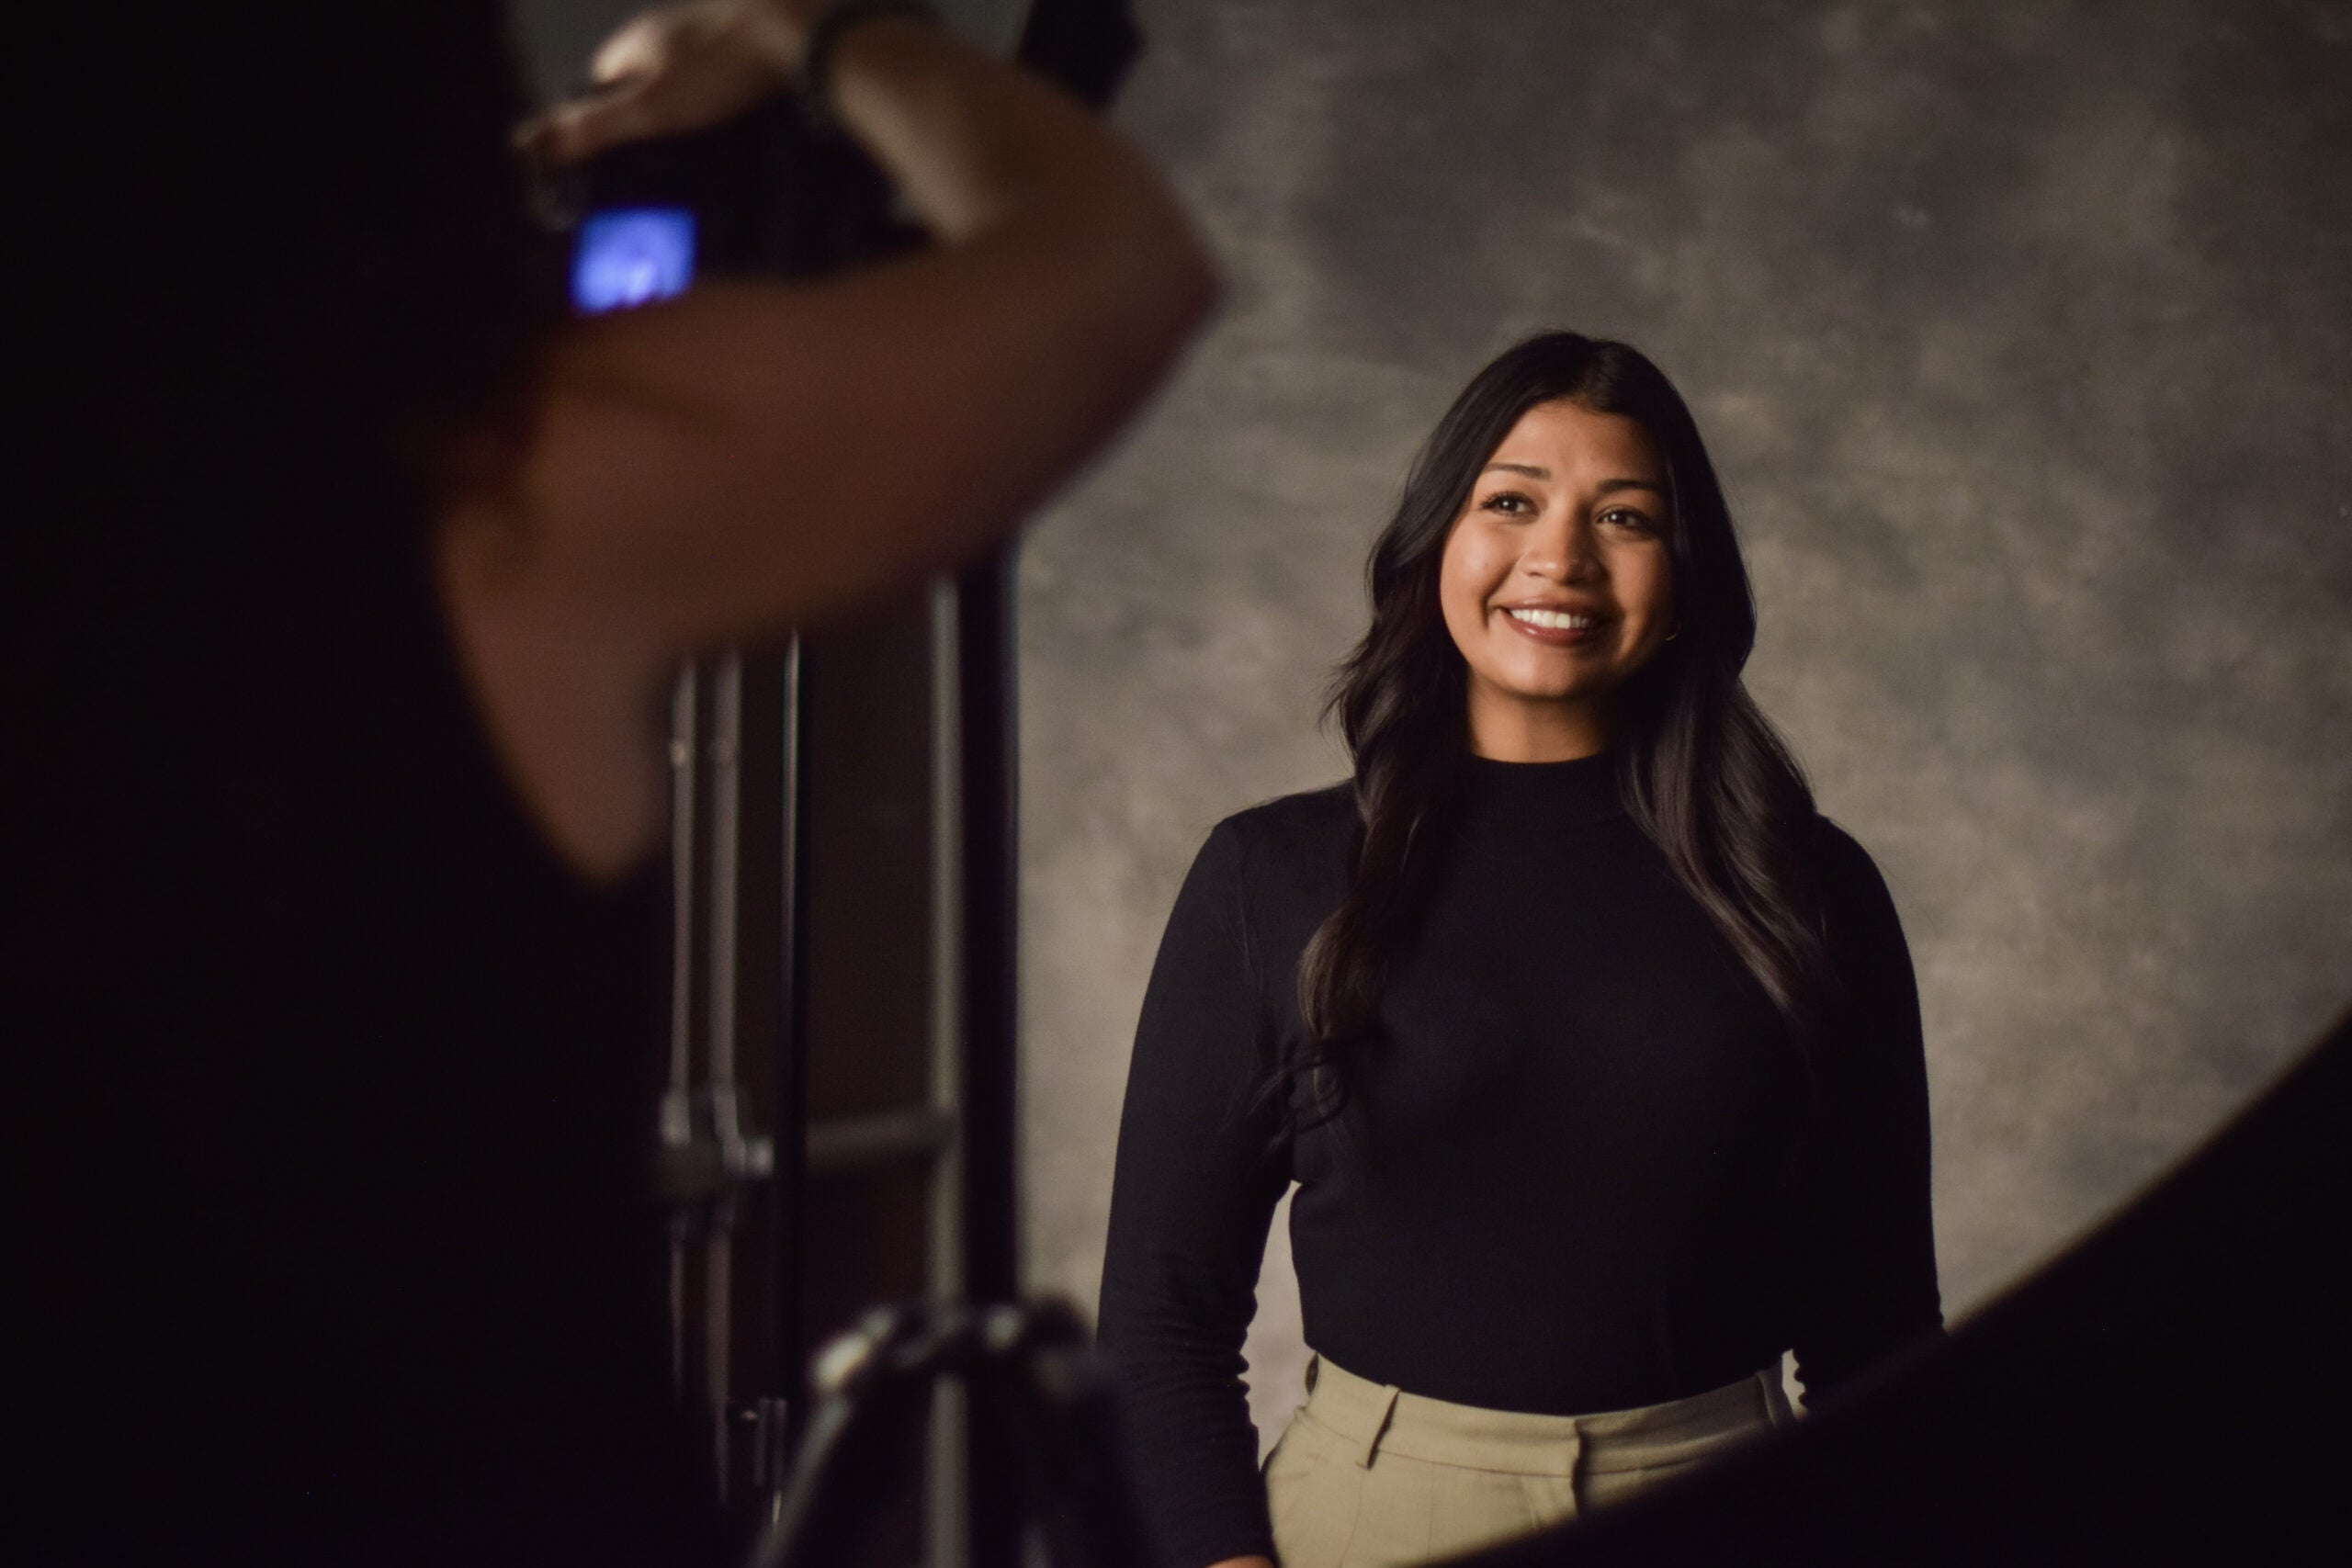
[[1039, 1402]]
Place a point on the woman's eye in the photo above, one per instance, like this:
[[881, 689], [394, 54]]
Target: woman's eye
[[1626, 517], [1510, 504]]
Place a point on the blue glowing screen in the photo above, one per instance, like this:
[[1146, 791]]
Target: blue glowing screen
[[632, 255]]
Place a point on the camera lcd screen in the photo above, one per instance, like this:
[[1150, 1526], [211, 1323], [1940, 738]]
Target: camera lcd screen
[[632, 255]]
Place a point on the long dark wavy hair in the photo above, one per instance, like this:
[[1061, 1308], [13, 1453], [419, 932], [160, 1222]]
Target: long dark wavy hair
[[1700, 768]]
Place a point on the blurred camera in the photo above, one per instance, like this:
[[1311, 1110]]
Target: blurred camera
[[631, 255], [770, 193]]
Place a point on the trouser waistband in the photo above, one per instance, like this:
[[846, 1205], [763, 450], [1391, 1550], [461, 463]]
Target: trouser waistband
[[1377, 1417]]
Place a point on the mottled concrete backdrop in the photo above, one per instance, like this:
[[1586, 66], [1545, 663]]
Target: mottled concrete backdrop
[[2020, 334]]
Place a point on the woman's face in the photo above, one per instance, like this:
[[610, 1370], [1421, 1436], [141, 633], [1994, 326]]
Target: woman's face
[[1556, 582]]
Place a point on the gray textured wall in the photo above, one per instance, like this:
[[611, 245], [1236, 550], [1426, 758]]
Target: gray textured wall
[[2020, 332]]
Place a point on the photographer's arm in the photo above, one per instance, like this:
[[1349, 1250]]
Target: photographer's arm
[[768, 452], [755, 454]]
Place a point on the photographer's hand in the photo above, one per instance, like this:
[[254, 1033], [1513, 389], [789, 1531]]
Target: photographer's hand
[[676, 70]]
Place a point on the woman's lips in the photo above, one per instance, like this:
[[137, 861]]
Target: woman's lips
[[1555, 629]]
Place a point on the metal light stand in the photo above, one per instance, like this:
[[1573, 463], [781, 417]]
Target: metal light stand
[[1024, 1450], [1044, 1408]]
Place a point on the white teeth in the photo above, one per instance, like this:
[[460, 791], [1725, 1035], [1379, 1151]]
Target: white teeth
[[1555, 620]]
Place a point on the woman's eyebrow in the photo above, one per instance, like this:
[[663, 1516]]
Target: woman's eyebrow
[[1537, 471]]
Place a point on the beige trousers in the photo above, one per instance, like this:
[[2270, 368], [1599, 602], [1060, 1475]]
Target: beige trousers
[[1369, 1477]]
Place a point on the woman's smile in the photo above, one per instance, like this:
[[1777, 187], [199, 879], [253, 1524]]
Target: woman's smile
[[1554, 626]]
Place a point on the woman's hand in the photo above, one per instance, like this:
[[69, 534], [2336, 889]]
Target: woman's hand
[[675, 70]]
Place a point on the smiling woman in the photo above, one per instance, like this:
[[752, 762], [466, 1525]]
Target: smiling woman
[[1593, 1049]]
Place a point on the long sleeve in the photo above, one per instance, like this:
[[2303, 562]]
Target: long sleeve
[[1866, 1241], [1198, 1176]]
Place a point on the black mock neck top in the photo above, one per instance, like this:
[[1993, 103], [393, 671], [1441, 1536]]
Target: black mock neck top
[[1577, 1171]]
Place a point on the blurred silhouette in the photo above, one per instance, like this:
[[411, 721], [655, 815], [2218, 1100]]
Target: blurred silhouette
[[339, 596]]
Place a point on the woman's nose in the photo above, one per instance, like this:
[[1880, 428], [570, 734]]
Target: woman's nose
[[1561, 552]]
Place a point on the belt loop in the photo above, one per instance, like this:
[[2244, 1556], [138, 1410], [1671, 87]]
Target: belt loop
[[1379, 1426]]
